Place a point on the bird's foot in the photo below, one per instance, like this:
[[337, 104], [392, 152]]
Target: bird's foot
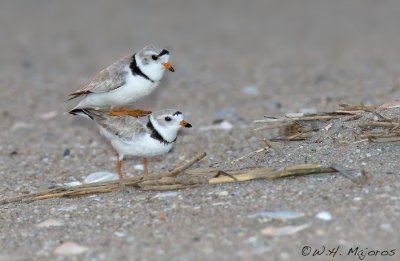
[[127, 112]]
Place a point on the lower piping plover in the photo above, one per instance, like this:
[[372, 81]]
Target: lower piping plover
[[124, 82], [149, 136]]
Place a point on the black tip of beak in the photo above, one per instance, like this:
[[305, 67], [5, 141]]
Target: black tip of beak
[[171, 69], [188, 125]]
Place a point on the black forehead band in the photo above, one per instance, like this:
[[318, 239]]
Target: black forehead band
[[177, 113], [163, 52]]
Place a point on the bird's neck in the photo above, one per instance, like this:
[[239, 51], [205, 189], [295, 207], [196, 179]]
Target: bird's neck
[[163, 135], [152, 72]]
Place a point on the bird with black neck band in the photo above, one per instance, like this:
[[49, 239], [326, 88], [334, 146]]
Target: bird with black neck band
[[124, 82], [144, 137]]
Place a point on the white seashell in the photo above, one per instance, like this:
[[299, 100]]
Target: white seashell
[[100, 177], [70, 248]]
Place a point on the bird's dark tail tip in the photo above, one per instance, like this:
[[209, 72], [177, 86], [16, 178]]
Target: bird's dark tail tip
[[81, 112]]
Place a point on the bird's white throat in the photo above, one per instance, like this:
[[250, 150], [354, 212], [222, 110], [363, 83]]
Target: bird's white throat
[[169, 133], [154, 71]]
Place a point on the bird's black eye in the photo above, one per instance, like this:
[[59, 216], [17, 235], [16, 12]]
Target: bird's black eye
[[168, 118], [154, 57]]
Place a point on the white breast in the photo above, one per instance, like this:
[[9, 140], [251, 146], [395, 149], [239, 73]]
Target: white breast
[[135, 88], [143, 146]]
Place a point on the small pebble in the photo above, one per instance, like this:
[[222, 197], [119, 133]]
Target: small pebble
[[70, 248], [49, 115], [284, 256], [250, 90], [66, 153], [283, 231], [69, 208], [139, 167], [100, 176], [73, 184], [164, 195], [294, 114], [218, 125], [223, 193], [20, 126], [386, 226], [251, 240], [278, 215], [119, 234], [327, 127], [51, 223], [324, 215]]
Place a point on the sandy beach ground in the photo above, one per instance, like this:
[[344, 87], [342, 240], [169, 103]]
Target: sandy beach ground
[[234, 60]]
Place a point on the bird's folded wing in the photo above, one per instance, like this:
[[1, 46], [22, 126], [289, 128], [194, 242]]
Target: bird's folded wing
[[106, 80], [127, 128]]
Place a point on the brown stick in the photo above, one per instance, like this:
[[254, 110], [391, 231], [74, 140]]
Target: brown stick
[[100, 187]]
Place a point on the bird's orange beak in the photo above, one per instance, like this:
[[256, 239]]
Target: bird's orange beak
[[185, 124], [168, 66]]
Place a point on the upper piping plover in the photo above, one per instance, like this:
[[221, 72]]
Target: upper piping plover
[[144, 137], [125, 81]]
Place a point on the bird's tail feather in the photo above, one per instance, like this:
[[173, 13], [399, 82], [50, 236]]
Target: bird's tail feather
[[83, 112]]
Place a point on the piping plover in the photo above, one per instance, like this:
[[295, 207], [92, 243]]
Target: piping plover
[[124, 82], [144, 137]]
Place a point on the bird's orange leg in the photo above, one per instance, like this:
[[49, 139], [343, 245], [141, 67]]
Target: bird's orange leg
[[122, 111], [146, 166]]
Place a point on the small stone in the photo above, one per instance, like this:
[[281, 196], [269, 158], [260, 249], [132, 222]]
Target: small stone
[[138, 167], [250, 90], [20, 126], [69, 208], [67, 152], [223, 193], [327, 127], [100, 177], [251, 240], [119, 234], [49, 115], [386, 226], [51, 223], [218, 125], [70, 248], [294, 114], [324, 215], [164, 195], [284, 256], [277, 215], [283, 231], [73, 184]]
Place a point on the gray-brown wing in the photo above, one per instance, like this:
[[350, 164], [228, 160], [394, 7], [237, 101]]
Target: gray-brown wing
[[107, 79], [125, 127]]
